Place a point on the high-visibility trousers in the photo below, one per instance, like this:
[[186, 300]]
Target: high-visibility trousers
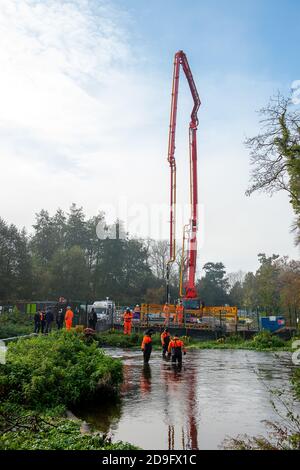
[[68, 324], [180, 318], [127, 327], [167, 318]]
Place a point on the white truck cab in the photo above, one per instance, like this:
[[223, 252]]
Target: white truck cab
[[103, 308]]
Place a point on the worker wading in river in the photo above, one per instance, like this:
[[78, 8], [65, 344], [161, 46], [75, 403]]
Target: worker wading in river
[[165, 340], [175, 349], [69, 318], [147, 346], [127, 321], [179, 314], [166, 311]]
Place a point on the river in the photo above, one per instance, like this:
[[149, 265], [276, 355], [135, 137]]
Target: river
[[216, 394]]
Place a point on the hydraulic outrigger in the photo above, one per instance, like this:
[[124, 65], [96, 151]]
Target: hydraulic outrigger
[[189, 286]]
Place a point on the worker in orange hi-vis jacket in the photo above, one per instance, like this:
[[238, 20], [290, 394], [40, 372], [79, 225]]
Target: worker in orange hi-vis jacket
[[69, 318], [179, 313], [147, 345], [175, 349], [165, 338], [127, 321], [166, 311]]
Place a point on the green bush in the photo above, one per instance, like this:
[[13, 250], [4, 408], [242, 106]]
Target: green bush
[[15, 324], [265, 340], [56, 369], [234, 339], [48, 431], [64, 436], [117, 339]]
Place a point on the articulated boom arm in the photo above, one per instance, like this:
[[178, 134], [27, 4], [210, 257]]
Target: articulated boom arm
[[181, 60]]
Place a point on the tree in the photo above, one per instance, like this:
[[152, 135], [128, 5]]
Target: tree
[[234, 278], [59, 223], [15, 263], [275, 154], [93, 242], [69, 274], [159, 253], [24, 272], [76, 228], [213, 287], [290, 289], [137, 271], [267, 283], [44, 242], [236, 294], [155, 296], [250, 296]]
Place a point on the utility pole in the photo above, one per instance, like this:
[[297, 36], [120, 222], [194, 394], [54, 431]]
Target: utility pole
[[257, 316], [168, 284]]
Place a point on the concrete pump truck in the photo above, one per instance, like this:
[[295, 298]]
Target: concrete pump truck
[[194, 307], [188, 266]]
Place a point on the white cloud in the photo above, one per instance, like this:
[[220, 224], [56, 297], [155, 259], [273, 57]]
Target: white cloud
[[53, 55], [70, 99]]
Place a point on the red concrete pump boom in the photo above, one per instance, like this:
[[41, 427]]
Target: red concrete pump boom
[[190, 289]]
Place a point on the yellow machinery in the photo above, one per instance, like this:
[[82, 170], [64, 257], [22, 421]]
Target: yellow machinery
[[153, 313]]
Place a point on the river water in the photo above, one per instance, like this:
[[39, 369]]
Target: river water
[[216, 394]]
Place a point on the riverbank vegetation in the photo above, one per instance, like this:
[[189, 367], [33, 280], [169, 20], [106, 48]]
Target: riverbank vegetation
[[41, 378], [26, 429], [263, 341], [117, 339]]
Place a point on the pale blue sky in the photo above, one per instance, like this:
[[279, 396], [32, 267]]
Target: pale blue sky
[[85, 101], [260, 38]]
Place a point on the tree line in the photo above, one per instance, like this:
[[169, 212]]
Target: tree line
[[63, 256]]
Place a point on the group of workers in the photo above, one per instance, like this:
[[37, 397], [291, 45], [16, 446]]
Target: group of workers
[[43, 320], [177, 318], [171, 347]]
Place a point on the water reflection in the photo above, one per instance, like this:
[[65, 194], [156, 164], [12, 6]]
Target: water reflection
[[103, 415], [173, 376], [145, 381], [191, 406]]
